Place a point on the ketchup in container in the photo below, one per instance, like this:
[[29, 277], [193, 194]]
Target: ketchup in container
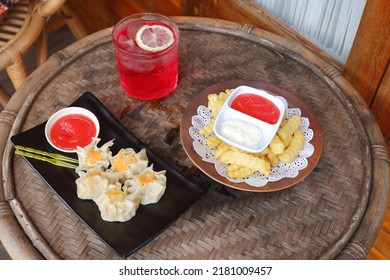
[[71, 131], [256, 106]]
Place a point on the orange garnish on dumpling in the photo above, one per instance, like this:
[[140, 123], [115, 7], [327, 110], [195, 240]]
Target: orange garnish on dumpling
[[147, 178], [93, 156], [121, 162]]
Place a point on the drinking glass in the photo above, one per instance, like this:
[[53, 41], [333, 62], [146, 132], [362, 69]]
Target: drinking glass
[[145, 74]]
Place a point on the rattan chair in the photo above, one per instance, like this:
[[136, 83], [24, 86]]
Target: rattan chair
[[25, 24]]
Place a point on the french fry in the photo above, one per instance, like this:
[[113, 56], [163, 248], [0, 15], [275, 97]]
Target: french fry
[[240, 172], [243, 159], [277, 147], [284, 121], [262, 153], [215, 106], [208, 128], [286, 132], [272, 158], [213, 141], [292, 151], [267, 167], [216, 101], [221, 149], [222, 96], [233, 167], [212, 98]]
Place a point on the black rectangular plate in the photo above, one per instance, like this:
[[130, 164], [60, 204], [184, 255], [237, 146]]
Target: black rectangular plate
[[150, 220]]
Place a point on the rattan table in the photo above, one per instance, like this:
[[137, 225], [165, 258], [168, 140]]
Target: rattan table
[[334, 213]]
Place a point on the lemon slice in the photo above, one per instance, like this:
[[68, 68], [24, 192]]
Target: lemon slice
[[154, 38]]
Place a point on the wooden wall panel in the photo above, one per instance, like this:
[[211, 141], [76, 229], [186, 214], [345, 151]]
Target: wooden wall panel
[[381, 106], [370, 53], [367, 67], [99, 14]]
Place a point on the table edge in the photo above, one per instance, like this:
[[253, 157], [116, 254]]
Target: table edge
[[377, 191]]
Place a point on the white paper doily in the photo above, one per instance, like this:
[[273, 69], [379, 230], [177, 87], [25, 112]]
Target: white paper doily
[[283, 170]]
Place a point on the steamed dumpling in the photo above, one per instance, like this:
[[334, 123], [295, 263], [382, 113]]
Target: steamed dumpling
[[116, 206], [91, 187], [149, 184], [92, 156], [128, 163], [110, 176]]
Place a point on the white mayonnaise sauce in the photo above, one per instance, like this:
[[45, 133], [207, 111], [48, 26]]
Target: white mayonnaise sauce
[[241, 133]]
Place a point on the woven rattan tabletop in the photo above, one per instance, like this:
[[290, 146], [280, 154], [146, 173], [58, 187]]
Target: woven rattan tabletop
[[335, 212]]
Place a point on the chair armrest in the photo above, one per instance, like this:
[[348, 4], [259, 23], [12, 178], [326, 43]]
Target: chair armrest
[[49, 7]]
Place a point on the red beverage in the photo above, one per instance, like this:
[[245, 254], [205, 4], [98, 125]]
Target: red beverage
[[147, 72]]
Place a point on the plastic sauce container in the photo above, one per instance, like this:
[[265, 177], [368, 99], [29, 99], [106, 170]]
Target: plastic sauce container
[[249, 119]]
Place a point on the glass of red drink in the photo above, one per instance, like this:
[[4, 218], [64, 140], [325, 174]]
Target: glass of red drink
[[146, 51]]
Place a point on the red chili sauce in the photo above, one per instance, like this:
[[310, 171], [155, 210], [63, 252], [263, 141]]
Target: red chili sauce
[[257, 106], [71, 131]]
